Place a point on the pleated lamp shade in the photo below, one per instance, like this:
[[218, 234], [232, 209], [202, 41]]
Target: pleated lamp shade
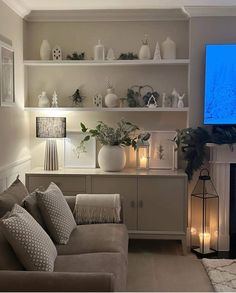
[[51, 128]]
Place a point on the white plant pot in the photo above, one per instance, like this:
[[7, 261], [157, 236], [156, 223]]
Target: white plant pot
[[144, 53], [45, 50], [111, 158]]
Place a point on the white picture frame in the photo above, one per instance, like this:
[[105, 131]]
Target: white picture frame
[[163, 154], [74, 158], [7, 75]]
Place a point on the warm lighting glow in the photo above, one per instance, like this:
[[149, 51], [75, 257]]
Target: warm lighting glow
[[143, 162], [193, 231], [204, 242]]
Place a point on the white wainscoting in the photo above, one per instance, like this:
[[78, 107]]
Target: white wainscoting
[[9, 173]]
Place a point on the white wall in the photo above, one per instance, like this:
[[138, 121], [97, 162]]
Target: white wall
[[14, 122], [122, 37]]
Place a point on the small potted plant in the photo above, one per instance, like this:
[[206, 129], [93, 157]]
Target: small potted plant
[[77, 98], [112, 156]]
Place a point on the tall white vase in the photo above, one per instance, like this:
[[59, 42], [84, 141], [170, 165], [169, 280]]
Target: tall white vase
[[45, 50], [168, 48], [112, 158]]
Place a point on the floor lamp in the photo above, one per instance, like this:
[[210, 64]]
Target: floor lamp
[[51, 128]]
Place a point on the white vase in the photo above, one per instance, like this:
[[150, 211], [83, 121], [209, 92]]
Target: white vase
[[45, 50], [111, 99], [44, 101], [99, 51], [111, 158], [168, 48], [144, 52]]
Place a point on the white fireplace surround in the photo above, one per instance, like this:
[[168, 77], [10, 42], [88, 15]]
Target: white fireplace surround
[[220, 159]]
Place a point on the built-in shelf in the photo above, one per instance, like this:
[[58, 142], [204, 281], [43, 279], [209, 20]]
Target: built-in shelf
[[93, 109], [106, 62]]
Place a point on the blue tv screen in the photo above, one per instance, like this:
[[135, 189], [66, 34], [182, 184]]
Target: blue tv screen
[[220, 85]]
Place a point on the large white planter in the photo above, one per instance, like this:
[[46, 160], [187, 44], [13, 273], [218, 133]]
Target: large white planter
[[112, 158]]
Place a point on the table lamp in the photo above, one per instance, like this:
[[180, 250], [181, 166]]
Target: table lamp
[[51, 128]]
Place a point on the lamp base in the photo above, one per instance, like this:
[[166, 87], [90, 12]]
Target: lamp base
[[51, 156]]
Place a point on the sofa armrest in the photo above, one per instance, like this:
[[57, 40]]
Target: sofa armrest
[[71, 202], [55, 281]]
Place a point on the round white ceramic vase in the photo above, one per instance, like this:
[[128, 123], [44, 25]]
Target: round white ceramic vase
[[144, 53], [168, 49], [112, 158], [45, 50], [111, 99]]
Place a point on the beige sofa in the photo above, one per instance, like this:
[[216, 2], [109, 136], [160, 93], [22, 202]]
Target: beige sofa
[[94, 259]]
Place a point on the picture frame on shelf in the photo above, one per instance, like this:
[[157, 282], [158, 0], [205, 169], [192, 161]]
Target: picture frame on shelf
[[163, 154], [77, 157], [7, 78]]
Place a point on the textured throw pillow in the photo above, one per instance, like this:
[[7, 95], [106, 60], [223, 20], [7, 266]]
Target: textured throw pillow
[[31, 244], [14, 194], [31, 205], [56, 214]]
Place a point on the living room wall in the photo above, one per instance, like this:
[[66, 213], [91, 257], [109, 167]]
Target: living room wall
[[82, 36], [14, 121]]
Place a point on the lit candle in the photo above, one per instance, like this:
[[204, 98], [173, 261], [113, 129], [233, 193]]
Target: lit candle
[[143, 162], [205, 240]]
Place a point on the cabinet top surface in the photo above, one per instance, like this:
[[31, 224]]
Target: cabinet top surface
[[98, 171]]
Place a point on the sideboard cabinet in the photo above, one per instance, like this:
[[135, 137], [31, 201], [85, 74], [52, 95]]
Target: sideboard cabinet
[[154, 201]]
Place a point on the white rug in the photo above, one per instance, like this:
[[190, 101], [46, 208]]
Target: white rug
[[222, 273]]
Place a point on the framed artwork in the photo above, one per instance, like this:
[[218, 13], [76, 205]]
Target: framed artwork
[[162, 150], [77, 155], [7, 81]]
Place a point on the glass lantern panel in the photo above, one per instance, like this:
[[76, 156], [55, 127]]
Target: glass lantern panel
[[204, 224], [142, 157], [204, 188]]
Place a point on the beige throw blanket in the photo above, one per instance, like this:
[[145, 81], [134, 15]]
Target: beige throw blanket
[[97, 208]]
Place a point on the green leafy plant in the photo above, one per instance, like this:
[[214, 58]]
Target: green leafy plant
[[192, 143], [76, 56], [125, 134], [128, 56], [77, 97]]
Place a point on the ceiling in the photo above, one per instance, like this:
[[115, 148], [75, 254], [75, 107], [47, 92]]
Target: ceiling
[[24, 7]]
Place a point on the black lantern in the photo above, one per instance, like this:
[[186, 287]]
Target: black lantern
[[204, 216]]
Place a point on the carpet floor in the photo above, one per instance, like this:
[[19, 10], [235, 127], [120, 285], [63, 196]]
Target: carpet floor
[[159, 266]]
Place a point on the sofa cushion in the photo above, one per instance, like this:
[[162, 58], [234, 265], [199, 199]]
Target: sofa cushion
[[95, 263], [32, 245], [70, 199], [30, 204], [14, 194], [56, 213], [96, 238], [8, 258]]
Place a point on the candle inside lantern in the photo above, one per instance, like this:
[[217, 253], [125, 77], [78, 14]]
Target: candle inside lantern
[[143, 162], [205, 242]]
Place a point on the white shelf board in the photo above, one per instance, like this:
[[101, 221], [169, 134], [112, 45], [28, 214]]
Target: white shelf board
[[106, 62], [93, 109]]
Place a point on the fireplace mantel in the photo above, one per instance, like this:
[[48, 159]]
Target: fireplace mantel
[[221, 156]]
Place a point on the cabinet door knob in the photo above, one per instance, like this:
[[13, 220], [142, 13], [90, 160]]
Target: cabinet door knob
[[140, 204], [132, 204]]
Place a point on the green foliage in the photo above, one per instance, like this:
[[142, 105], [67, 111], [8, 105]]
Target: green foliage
[[76, 56], [192, 142], [128, 56], [77, 98], [124, 134]]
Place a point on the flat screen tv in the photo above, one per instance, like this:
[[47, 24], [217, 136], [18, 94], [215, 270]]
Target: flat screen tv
[[220, 85]]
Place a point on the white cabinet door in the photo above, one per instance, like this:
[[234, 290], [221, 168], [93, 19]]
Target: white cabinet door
[[127, 188], [162, 204]]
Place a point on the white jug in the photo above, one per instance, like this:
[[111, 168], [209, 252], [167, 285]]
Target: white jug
[[43, 100]]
